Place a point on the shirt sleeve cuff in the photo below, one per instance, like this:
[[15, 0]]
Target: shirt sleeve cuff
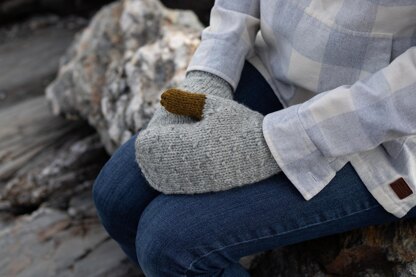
[[295, 153], [221, 58]]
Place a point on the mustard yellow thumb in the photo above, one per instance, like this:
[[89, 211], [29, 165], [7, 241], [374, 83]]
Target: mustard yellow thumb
[[181, 102]]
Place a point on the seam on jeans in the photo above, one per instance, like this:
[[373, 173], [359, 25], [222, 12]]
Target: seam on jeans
[[270, 236]]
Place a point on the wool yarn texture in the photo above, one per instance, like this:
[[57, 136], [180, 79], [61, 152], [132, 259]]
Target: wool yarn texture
[[222, 150], [195, 81]]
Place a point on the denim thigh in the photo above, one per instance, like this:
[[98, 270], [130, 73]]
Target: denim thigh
[[188, 235]]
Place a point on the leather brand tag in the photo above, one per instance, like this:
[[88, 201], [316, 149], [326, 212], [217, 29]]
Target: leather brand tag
[[401, 188]]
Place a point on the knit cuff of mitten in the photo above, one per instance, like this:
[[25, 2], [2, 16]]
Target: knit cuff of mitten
[[207, 83]]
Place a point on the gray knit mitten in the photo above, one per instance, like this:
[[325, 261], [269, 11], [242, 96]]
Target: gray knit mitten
[[223, 148], [198, 82]]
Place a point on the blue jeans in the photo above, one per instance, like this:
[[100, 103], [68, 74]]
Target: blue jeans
[[207, 234]]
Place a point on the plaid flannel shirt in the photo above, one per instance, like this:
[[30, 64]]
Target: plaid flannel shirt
[[345, 71]]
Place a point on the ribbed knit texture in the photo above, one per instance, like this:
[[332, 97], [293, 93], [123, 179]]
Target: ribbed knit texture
[[205, 82], [225, 149]]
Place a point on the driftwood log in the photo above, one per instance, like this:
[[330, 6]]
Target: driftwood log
[[48, 224]]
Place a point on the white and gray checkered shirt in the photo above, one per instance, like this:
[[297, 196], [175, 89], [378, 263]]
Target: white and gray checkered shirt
[[345, 71]]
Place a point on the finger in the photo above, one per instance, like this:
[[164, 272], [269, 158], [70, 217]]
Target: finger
[[185, 103]]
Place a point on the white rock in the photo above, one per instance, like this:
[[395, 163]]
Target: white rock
[[115, 72]]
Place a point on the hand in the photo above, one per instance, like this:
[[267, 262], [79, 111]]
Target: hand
[[223, 148]]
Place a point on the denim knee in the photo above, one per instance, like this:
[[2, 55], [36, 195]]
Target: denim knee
[[120, 192], [109, 208], [161, 246], [101, 193], [168, 235]]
